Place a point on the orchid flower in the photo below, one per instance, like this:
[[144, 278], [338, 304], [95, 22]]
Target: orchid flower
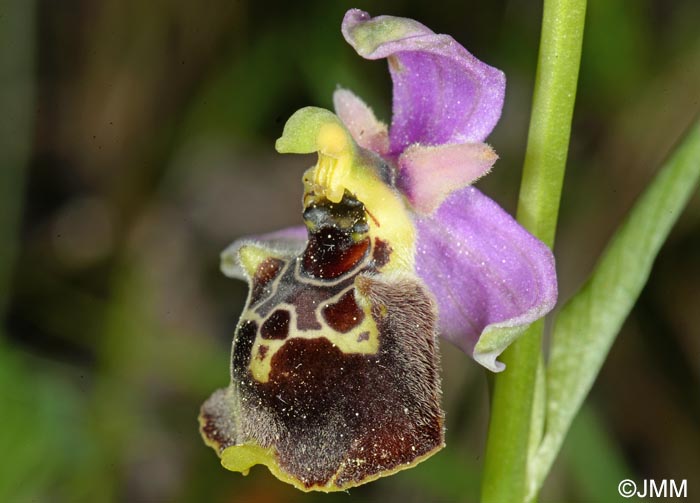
[[335, 376]]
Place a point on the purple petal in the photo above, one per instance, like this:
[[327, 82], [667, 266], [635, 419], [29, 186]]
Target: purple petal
[[360, 120], [427, 175], [288, 242], [491, 277], [442, 94]]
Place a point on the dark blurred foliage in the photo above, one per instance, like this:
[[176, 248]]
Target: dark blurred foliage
[[137, 142]]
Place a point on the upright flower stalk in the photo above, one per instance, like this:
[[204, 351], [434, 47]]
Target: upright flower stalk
[[513, 401]]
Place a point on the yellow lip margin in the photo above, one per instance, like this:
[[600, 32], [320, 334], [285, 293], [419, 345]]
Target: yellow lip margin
[[241, 458]]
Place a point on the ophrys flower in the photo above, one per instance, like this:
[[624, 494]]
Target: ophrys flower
[[335, 378]]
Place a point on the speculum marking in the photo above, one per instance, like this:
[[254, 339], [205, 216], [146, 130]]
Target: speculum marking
[[345, 314], [276, 326]]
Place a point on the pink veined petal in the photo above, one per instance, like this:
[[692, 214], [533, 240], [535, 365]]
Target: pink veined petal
[[427, 175], [442, 93], [360, 120], [288, 242], [491, 277]]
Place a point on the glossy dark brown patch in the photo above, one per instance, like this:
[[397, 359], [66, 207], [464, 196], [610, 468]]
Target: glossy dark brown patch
[[331, 252], [381, 253], [266, 273], [345, 314], [243, 345], [276, 326], [336, 237], [262, 352]]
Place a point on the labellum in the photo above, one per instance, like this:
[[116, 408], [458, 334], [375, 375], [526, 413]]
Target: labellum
[[334, 375]]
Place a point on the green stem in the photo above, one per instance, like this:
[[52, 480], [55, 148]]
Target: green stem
[[506, 461], [586, 326]]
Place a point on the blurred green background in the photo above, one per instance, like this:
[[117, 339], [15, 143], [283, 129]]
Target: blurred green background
[[136, 142]]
